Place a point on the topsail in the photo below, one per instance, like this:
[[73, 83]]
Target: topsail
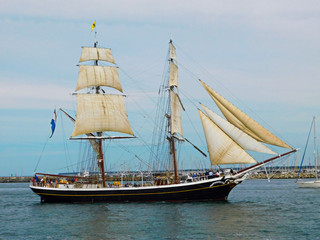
[[92, 76], [96, 54]]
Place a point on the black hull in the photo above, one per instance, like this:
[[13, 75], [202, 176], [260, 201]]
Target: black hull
[[198, 191]]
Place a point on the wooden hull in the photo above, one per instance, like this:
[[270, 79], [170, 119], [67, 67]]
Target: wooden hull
[[195, 191]]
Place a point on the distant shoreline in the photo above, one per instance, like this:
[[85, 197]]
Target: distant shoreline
[[288, 175], [15, 179]]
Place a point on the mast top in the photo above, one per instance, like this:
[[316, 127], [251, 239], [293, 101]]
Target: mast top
[[93, 26]]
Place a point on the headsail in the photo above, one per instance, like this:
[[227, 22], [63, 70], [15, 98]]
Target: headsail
[[222, 149], [243, 139], [242, 121]]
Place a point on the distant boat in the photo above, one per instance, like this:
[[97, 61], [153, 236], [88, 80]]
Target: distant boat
[[313, 183], [98, 113]]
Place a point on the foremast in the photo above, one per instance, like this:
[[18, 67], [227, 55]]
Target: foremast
[[174, 116], [98, 112], [100, 157]]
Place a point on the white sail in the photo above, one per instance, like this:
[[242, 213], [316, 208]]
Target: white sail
[[173, 74], [172, 52], [243, 121], [222, 149], [90, 76], [176, 125], [243, 139], [98, 113], [92, 53]]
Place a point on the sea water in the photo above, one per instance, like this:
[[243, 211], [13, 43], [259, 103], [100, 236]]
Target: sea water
[[256, 209]]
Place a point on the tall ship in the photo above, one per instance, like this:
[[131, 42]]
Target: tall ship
[[99, 113]]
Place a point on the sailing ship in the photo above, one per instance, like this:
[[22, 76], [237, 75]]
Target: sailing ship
[[313, 183], [97, 113]]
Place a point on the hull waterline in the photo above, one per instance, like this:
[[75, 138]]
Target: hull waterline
[[198, 191]]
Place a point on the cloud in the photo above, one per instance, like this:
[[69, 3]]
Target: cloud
[[22, 95], [280, 16]]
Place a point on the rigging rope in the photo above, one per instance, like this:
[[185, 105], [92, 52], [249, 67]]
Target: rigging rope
[[66, 150], [35, 169], [305, 148]]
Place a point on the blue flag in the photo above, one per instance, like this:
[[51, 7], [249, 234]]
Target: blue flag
[[53, 122]]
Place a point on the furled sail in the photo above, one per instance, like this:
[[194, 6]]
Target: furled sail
[[222, 149], [90, 76], [92, 53], [98, 113], [176, 126], [243, 139], [242, 121]]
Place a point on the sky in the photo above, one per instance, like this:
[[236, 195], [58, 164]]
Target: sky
[[261, 55]]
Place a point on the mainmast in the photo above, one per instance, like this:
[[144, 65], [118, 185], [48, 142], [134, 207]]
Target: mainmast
[[175, 108], [173, 152]]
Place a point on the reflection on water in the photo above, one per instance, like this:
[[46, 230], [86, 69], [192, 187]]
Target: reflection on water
[[256, 209]]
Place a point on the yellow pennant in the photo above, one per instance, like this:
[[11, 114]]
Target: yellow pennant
[[93, 25]]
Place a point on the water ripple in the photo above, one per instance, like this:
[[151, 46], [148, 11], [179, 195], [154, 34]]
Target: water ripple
[[256, 210]]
